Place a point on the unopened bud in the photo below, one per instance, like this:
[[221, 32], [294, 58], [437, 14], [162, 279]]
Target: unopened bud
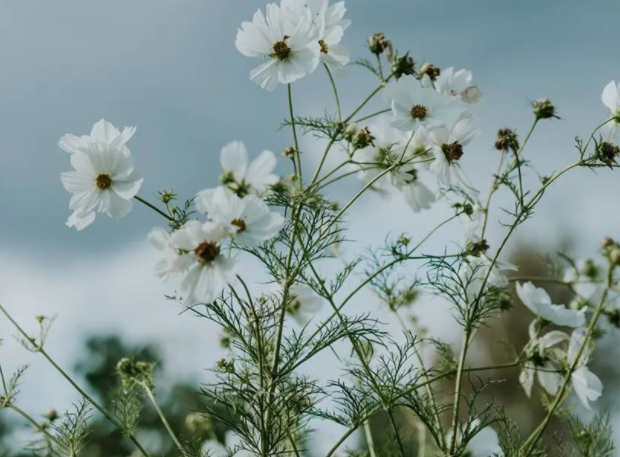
[[607, 242], [477, 248], [166, 196], [543, 109], [350, 132], [607, 152], [51, 415], [377, 43], [289, 152], [403, 65], [614, 256]]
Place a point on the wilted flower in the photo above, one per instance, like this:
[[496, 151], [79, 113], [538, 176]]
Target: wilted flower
[[290, 53], [507, 140], [429, 72], [104, 180]]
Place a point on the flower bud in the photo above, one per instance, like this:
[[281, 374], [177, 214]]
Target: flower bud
[[607, 242], [403, 65], [377, 43], [350, 132], [614, 256], [166, 196], [507, 140], [197, 422], [363, 139], [477, 248], [51, 415], [430, 70], [289, 152], [135, 371], [543, 109], [607, 152]]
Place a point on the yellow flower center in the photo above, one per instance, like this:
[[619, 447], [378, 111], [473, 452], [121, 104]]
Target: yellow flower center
[[103, 181], [207, 252], [419, 112]]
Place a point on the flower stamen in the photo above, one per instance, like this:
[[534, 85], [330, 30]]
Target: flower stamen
[[281, 50], [324, 46], [103, 181], [452, 151], [419, 112], [240, 224], [207, 252]]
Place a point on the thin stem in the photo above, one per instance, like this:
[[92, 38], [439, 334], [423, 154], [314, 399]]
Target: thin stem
[[162, 416], [81, 391], [370, 116], [531, 442], [154, 208], [401, 448], [294, 129], [36, 425], [335, 89], [369, 440], [457, 392]]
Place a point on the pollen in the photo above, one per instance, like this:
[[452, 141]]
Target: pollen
[[281, 50], [240, 224], [452, 151], [324, 46], [419, 112], [207, 252], [103, 181]]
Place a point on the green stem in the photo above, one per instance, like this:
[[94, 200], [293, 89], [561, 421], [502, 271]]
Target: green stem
[[335, 89], [369, 441], [162, 416], [36, 426], [81, 391], [154, 208], [294, 129]]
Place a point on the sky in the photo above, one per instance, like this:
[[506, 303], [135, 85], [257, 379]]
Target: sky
[[170, 68]]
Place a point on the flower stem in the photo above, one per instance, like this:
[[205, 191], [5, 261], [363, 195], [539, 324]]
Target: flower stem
[[335, 89], [154, 208], [162, 416]]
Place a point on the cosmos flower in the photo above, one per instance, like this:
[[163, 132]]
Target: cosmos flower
[[104, 179], [242, 176], [414, 105], [457, 84], [304, 303], [329, 26], [587, 385], [248, 219], [290, 54], [207, 268], [539, 302], [447, 145], [611, 99], [542, 367], [417, 195]]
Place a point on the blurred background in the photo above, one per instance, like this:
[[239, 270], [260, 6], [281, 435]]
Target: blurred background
[[171, 69]]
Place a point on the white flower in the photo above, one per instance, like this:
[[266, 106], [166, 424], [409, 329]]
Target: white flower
[[414, 105], [102, 132], [587, 385], [104, 180], [329, 26], [243, 177], [417, 195], [611, 99], [290, 54], [457, 84], [303, 304], [547, 371], [173, 263], [539, 302], [477, 273], [248, 219], [207, 270], [388, 149], [448, 142]]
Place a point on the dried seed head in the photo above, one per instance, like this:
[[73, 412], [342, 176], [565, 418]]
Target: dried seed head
[[429, 69], [363, 139], [507, 140], [377, 43], [403, 65], [607, 152]]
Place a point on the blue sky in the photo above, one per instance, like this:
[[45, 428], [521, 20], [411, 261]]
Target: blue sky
[[170, 68]]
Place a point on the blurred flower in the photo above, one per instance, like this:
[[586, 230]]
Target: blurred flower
[[207, 270], [290, 54], [539, 302], [417, 195], [587, 385], [104, 180], [540, 365], [303, 304], [248, 219], [172, 264], [448, 142], [457, 84], [243, 177], [414, 105]]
